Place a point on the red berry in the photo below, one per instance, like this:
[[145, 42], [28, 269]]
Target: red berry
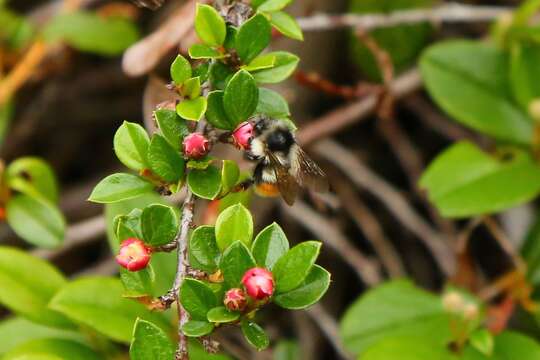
[[134, 255], [235, 300], [259, 283], [242, 135], [196, 146]]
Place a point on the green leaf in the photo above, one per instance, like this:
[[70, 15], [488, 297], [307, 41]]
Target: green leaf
[[197, 298], [531, 252], [220, 75], [407, 348], [193, 109], [6, 113], [87, 31], [131, 145], [137, 284], [253, 37], [194, 328], [308, 293], [393, 309], [524, 73], [215, 112], [36, 221], [286, 25], [235, 262], [128, 226], [201, 51], [260, 63], [286, 350], [200, 164], [203, 249], [202, 70], [293, 267], [49, 349], [17, 31], [150, 342], [240, 98], [209, 25], [273, 5], [512, 346], [469, 81], [464, 181], [482, 340], [272, 104], [172, 127], [28, 283], [284, 66], [220, 315], [192, 88], [205, 183], [159, 224], [255, 335], [164, 160], [33, 177], [234, 224], [119, 187], [180, 70], [270, 245], [97, 303], [230, 173]]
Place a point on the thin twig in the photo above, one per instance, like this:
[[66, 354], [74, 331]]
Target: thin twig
[[502, 239], [447, 13], [363, 177]]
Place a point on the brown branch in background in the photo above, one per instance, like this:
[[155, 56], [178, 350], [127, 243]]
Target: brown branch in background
[[446, 13], [504, 242], [316, 82], [365, 268], [364, 178]]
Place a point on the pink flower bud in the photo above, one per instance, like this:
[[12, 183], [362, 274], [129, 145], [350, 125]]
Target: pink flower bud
[[242, 135], [196, 146], [134, 255], [235, 300], [259, 283]]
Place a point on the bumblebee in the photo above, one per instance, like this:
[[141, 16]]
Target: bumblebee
[[150, 4], [282, 166]]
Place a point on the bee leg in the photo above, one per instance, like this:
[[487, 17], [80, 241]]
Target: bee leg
[[243, 186]]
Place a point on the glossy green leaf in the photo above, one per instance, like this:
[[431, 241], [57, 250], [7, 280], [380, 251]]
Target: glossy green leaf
[[193, 109], [524, 73], [97, 303], [138, 284], [308, 293], [469, 81], [273, 5], [253, 37], [131, 143], [119, 187], [34, 177], [27, 285], [17, 31], [201, 164], [150, 342], [194, 328], [220, 315], [255, 335], [164, 160], [407, 348], [192, 88], [464, 181], [272, 104], [209, 25], [270, 245], [159, 224], [220, 75], [240, 98], [261, 62], [88, 31], [511, 345], [205, 183], [203, 249], [286, 25], [36, 221], [172, 127], [394, 309], [234, 224], [201, 51], [197, 298], [128, 226], [235, 262], [180, 70], [215, 112], [230, 173], [482, 340], [291, 269], [284, 66], [55, 348]]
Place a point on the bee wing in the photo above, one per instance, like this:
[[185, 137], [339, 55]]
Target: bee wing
[[287, 185], [307, 171], [151, 4]]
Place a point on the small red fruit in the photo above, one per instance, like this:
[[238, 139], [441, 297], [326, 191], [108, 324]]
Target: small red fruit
[[259, 283], [134, 255], [242, 135], [196, 146], [235, 300]]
